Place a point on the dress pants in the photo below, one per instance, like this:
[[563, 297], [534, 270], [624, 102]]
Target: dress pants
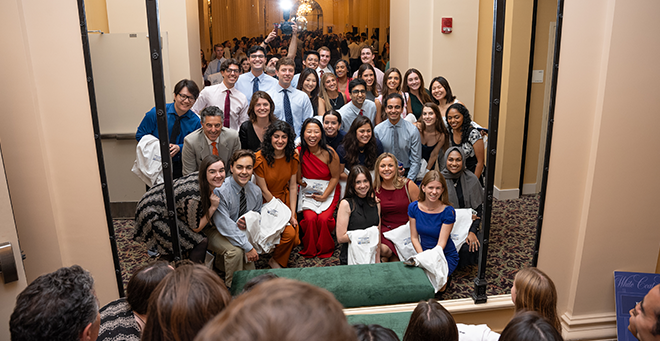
[[234, 256]]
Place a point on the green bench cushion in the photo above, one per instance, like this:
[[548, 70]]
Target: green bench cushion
[[398, 322], [356, 285]]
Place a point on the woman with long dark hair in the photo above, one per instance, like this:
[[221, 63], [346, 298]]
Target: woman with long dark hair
[[441, 94], [413, 84], [343, 70], [261, 116], [392, 84], [463, 134], [358, 210], [275, 171], [367, 73], [360, 145], [309, 84], [433, 135], [318, 162]]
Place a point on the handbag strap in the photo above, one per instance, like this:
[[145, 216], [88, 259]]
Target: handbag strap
[[407, 193]]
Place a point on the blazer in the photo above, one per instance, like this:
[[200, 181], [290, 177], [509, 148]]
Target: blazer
[[196, 148]]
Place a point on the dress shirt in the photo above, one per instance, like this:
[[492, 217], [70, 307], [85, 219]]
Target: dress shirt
[[294, 80], [213, 67], [244, 83], [328, 69], [379, 78], [349, 112], [301, 106], [215, 95], [354, 50], [149, 126], [409, 144], [226, 216]]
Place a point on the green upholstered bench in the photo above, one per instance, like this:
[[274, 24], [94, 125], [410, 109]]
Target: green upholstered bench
[[356, 285], [398, 322]]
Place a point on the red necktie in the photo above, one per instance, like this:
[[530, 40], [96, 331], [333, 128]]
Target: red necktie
[[361, 112], [215, 149], [227, 110], [321, 73]]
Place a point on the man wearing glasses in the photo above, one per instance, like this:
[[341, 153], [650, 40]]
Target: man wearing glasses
[[255, 80], [181, 121], [358, 106], [224, 96]]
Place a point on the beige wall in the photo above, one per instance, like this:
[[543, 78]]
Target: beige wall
[[595, 221], [48, 143], [484, 55], [97, 15]]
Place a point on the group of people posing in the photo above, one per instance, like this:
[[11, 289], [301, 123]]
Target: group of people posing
[[380, 133]]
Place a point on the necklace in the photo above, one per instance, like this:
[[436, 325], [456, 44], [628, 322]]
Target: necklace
[[333, 101]]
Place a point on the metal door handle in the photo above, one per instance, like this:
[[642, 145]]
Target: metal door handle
[[7, 263]]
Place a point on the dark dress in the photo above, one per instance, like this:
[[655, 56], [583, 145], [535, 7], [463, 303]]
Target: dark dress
[[362, 217], [465, 257], [335, 141], [341, 151], [426, 151], [337, 102], [248, 137]]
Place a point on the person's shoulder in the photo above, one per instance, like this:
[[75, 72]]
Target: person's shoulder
[[253, 188], [229, 133], [382, 125], [370, 104], [413, 207], [245, 125], [194, 136]]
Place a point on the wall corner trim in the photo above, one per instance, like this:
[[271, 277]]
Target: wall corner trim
[[600, 326], [505, 194]]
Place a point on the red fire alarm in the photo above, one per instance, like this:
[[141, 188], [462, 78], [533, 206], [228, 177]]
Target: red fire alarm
[[447, 25]]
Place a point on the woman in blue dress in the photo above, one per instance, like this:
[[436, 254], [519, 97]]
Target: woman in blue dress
[[432, 218]]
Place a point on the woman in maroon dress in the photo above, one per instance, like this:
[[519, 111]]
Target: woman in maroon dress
[[395, 193], [318, 162]]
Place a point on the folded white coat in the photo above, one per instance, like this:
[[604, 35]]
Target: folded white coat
[[461, 227], [400, 236], [148, 166], [435, 265], [264, 230], [305, 202], [363, 246]]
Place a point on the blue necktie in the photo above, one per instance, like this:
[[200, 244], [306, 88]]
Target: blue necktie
[[395, 143], [255, 85], [287, 109]]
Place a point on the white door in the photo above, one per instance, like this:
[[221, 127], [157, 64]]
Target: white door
[[9, 291]]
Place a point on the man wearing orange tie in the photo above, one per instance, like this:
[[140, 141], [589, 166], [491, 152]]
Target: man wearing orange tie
[[211, 138]]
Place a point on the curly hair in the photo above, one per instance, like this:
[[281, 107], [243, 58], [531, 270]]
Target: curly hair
[[267, 149], [467, 121], [352, 145]]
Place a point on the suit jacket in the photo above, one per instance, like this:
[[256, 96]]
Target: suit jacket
[[196, 148]]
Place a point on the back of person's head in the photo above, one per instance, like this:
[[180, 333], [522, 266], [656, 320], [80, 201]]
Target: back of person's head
[[530, 326], [254, 281], [535, 291], [281, 309], [374, 332], [60, 305], [183, 302], [142, 284], [431, 321]]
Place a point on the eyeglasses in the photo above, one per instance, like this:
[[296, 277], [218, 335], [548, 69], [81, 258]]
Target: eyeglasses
[[257, 56], [359, 92], [188, 98], [233, 71]]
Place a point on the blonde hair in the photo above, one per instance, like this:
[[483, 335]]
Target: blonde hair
[[324, 93], [434, 175], [535, 291], [398, 182]]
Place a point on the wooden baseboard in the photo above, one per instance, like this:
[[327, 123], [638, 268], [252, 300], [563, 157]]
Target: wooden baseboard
[[125, 209], [589, 326]]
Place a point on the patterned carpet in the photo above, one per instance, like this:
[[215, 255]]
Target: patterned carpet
[[512, 240]]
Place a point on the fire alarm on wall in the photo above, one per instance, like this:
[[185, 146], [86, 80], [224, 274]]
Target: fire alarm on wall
[[447, 25]]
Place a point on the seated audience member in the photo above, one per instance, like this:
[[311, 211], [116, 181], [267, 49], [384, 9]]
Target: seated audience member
[[530, 326], [237, 196], [360, 146], [331, 97], [534, 291], [291, 105], [261, 117], [367, 57], [183, 302], [215, 65], [413, 85], [367, 74], [281, 309], [400, 137], [464, 191], [211, 139], [275, 172], [433, 135], [310, 61], [395, 193], [324, 61], [358, 210], [645, 316], [60, 305], [331, 124], [254, 281], [358, 106], [309, 84], [124, 319], [250, 82], [343, 70], [374, 332], [233, 103], [430, 321], [181, 121], [318, 162], [432, 219], [463, 134], [392, 85], [192, 197]]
